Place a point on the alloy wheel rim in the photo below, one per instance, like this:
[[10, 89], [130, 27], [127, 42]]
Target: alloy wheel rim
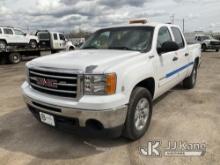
[[194, 76], [141, 113]]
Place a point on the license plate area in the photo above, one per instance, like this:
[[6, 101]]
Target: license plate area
[[47, 119]]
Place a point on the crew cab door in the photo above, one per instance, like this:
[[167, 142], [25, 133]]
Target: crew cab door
[[183, 57], [21, 37], [55, 41], [166, 62]]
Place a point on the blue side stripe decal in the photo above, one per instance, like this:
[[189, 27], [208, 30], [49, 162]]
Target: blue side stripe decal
[[178, 70]]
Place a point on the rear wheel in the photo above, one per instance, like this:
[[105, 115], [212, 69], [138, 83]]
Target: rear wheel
[[217, 50], [203, 47], [190, 81], [14, 58], [3, 45], [33, 44], [139, 113]]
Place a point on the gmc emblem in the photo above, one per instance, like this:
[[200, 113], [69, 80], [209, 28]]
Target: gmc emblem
[[50, 83]]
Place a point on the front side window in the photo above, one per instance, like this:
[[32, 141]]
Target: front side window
[[8, 31], [18, 32], [123, 38], [178, 37], [163, 36], [62, 37]]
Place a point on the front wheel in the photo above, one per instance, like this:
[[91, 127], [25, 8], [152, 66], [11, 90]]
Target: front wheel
[[14, 58], [139, 113], [190, 81], [203, 47], [33, 44], [3, 45]]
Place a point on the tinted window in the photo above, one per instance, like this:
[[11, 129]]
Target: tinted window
[[0, 31], [62, 37], [178, 37], [18, 32], [8, 31], [55, 36], [163, 36]]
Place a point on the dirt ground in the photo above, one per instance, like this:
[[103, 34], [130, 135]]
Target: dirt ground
[[180, 115]]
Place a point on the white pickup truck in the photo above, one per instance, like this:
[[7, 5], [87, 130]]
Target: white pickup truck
[[109, 85], [207, 42]]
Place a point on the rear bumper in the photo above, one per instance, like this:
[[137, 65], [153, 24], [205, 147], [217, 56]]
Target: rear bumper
[[106, 119]]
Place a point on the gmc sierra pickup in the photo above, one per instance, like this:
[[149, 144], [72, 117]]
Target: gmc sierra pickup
[[111, 82]]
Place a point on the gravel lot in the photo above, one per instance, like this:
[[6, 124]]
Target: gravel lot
[[186, 115]]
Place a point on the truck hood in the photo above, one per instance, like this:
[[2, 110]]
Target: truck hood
[[98, 60]]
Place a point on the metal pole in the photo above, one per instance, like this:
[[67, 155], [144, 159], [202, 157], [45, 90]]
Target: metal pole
[[183, 25]]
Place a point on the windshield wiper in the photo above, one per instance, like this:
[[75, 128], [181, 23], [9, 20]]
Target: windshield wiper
[[121, 48]]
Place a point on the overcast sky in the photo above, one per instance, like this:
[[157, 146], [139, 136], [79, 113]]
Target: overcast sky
[[68, 15]]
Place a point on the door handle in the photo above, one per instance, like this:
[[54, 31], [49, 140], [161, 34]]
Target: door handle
[[187, 54], [175, 58]]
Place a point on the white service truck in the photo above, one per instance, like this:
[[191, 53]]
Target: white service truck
[[14, 44], [54, 40], [110, 84]]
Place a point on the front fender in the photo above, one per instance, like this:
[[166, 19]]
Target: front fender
[[134, 75]]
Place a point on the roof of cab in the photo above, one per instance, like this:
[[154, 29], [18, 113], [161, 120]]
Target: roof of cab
[[148, 24]]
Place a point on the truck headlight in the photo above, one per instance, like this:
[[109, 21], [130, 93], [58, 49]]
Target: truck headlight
[[100, 84]]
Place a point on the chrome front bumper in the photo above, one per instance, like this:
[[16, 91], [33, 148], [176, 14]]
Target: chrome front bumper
[[109, 118]]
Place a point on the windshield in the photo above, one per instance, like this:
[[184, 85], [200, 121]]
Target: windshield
[[124, 38]]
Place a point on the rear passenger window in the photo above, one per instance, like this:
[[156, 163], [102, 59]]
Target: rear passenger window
[[178, 37], [55, 36], [163, 36], [8, 31]]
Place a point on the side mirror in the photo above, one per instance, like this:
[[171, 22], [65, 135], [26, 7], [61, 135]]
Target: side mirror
[[168, 46], [25, 34]]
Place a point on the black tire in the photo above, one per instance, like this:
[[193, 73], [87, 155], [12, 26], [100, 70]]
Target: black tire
[[190, 82], [217, 50], [14, 58], [204, 47], [130, 130], [33, 44], [3, 45]]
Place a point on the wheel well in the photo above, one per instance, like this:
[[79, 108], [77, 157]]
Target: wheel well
[[71, 47], [149, 84], [33, 40], [4, 40], [197, 61]]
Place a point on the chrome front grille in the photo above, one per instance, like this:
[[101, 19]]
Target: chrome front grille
[[55, 83]]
